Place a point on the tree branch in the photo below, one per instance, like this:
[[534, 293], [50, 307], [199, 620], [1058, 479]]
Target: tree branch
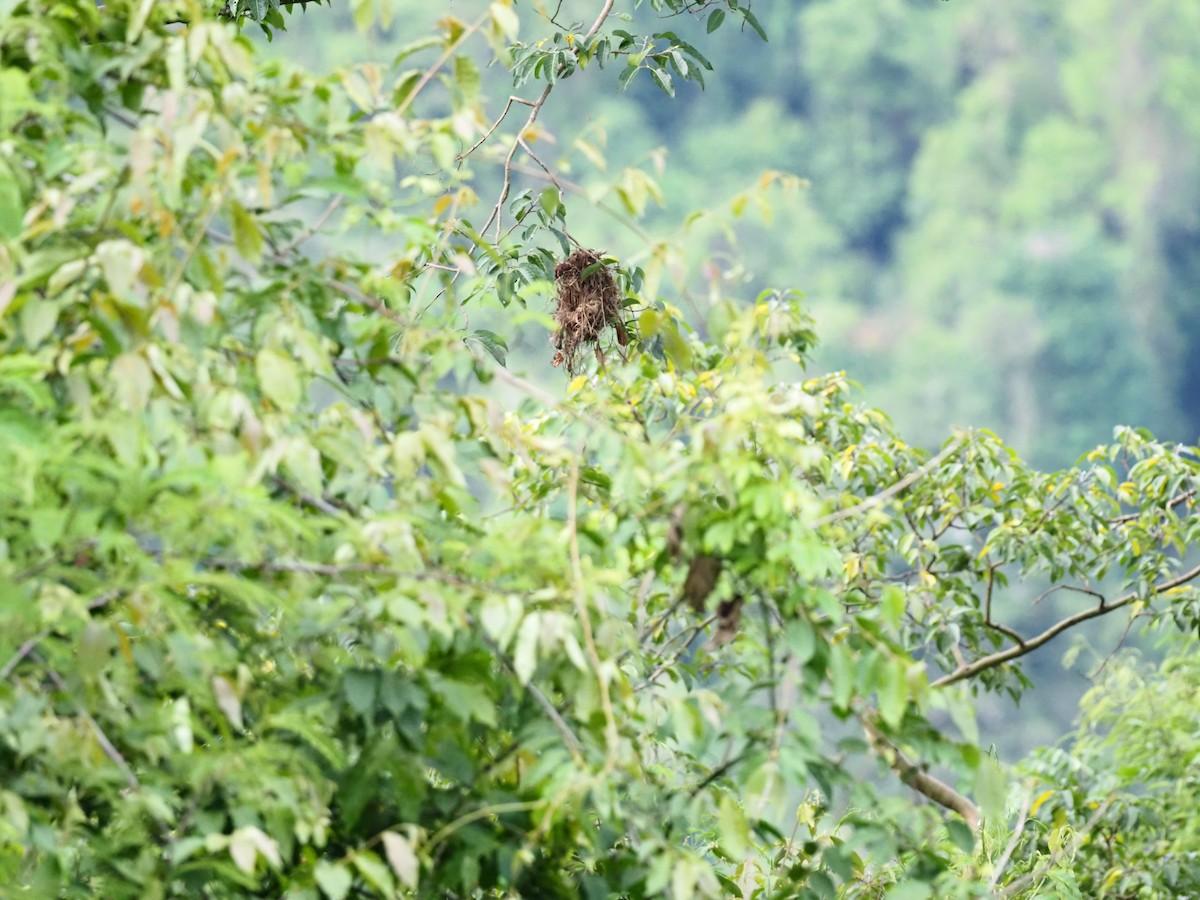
[[917, 778], [1069, 847], [1171, 504], [887, 493], [109, 748], [30, 645], [541, 699], [970, 670]]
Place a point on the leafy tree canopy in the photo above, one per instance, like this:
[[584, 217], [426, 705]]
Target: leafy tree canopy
[[306, 594]]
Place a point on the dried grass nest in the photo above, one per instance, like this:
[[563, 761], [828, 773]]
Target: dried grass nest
[[588, 302]]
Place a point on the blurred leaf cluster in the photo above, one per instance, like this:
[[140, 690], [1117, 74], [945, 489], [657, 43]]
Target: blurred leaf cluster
[[304, 593]]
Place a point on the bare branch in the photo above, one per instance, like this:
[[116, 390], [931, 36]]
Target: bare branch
[[535, 108], [487, 134], [970, 670], [498, 209], [608, 5], [917, 778]]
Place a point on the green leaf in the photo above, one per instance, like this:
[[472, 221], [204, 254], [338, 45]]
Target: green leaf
[[374, 872], [94, 649], [841, 671], [133, 380], [732, 828], [991, 788], [893, 604], [961, 834], [401, 858], [466, 701], [247, 235], [550, 200], [364, 13], [47, 525], [312, 733], [909, 890], [893, 691], [752, 21], [715, 18], [361, 689], [120, 261], [800, 639], [334, 879], [493, 343], [279, 378], [505, 19], [663, 79], [525, 653], [12, 209], [228, 700], [467, 79]]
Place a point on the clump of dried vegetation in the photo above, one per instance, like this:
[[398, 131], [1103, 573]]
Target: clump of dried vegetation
[[588, 303]]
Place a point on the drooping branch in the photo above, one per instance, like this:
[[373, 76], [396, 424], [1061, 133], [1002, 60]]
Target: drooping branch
[[917, 778], [109, 748], [1000, 657]]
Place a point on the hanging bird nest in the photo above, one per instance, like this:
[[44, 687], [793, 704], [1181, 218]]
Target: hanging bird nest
[[588, 302]]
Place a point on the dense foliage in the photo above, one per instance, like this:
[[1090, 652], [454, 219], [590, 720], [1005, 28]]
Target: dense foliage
[[306, 594]]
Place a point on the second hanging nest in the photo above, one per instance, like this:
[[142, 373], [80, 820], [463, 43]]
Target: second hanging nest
[[588, 302]]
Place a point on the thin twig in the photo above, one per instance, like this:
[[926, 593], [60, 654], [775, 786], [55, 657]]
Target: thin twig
[[441, 61], [1022, 816], [106, 745], [1007, 632], [318, 503], [30, 645], [1171, 504], [585, 618], [498, 210], [525, 387], [1068, 587], [1069, 847], [542, 700], [886, 494], [487, 134], [599, 20], [694, 631], [535, 108], [312, 229]]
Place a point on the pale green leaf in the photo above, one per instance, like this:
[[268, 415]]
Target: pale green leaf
[[401, 858], [279, 377], [732, 828], [893, 691], [505, 19], [991, 788], [334, 879], [247, 234]]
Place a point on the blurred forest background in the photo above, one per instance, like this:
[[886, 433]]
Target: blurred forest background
[[994, 212]]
